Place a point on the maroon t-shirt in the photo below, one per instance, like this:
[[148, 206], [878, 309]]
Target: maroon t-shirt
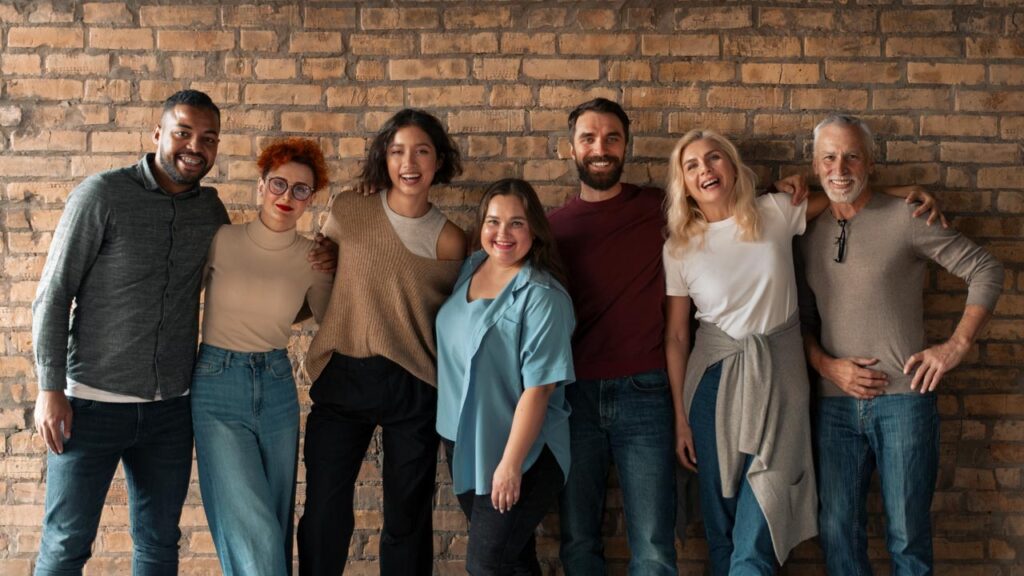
[[612, 253]]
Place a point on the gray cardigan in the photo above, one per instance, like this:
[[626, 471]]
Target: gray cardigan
[[762, 410]]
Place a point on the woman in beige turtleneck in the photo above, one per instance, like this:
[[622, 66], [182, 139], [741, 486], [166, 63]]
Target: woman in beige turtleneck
[[245, 409]]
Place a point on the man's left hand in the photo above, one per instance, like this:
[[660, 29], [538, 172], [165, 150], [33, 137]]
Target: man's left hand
[[325, 256], [934, 362], [929, 205], [795, 185]]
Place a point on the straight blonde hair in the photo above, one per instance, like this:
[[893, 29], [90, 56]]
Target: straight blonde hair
[[686, 221]]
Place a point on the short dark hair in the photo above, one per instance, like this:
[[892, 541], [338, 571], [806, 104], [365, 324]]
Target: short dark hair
[[543, 254], [375, 170], [193, 98], [602, 106]]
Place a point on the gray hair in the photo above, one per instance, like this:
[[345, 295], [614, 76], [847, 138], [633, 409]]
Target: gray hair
[[851, 122]]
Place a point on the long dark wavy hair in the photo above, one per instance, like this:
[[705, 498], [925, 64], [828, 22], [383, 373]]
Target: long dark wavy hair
[[543, 255], [375, 171]]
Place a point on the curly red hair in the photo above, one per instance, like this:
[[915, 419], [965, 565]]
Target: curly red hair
[[302, 150]]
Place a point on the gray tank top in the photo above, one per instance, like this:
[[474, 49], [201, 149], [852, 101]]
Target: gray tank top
[[419, 235]]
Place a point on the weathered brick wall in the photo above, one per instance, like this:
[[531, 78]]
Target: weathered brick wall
[[942, 83]]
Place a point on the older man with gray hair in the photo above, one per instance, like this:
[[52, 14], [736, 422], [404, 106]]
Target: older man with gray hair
[[865, 262]]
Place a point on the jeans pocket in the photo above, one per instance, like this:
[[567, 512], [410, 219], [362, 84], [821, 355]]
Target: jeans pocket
[[281, 368], [205, 367], [653, 381]]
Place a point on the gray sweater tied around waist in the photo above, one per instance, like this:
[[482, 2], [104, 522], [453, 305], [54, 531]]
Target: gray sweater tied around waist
[[762, 410]]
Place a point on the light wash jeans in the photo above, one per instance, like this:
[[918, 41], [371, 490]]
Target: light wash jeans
[[898, 434], [154, 442], [245, 412], [628, 420], [739, 542]]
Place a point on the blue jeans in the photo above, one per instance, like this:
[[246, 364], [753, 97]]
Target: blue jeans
[[245, 412], [628, 420], [900, 435], [739, 541], [154, 442]]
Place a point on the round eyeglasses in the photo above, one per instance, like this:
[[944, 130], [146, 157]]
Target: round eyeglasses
[[279, 186]]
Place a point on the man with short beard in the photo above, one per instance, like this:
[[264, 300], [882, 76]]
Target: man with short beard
[[865, 261], [114, 371]]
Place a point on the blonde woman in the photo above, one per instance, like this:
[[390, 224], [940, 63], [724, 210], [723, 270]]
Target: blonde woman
[[743, 413]]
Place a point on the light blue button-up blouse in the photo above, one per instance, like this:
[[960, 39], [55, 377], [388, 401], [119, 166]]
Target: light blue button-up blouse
[[488, 354]]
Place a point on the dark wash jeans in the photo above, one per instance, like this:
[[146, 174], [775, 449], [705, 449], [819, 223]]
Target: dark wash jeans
[[355, 396], [154, 442], [898, 434], [505, 544], [628, 420]]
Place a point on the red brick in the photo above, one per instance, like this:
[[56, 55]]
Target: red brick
[[386, 44], [1012, 128], [713, 18], [845, 72], [496, 68], [629, 71], [546, 18], [52, 140], [545, 170], [318, 122], [841, 46], [1006, 74], [597, 44], [596, 18], [392, 18], [188, 66], [748, 98], [475, 18], [915, 99], [914, 152], [314, 42], [679, 45], [789, 19], [660, 97], [937, 73], [121, 38], [329, 18], [998, 48], [566, 97], [762, 46], [958, 125], [917, 21], [370, 70], [558, 69], [44, 89], [295, 94], [779, 73], [479, 43], [725, 123], [105, 13], [1006, 178], [697, 71], [935, 47], [991, 101], [220, 92], [428, 69], [20, 64], [978, 153], [828, 99], [194, 41], [445, 96], [275, 68], [521, 43], [178, 16], [258, 40], [48, 36], [323, 68], [486, 121], [261, 15]]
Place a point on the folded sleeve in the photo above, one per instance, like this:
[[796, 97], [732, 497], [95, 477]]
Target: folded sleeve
[[545, 349]]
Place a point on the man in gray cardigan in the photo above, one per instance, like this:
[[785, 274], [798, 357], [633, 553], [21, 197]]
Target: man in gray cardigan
[[114, 325], [865, 261]]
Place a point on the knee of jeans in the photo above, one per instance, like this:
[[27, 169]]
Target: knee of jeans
[[62, 554], [156, 552]]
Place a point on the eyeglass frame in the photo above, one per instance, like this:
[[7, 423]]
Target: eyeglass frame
[[296, 189], [841, 240]]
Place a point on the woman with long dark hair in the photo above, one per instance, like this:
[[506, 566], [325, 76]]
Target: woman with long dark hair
[[504, 356], [373, 361]]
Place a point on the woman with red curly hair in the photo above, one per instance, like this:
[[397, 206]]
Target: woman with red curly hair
[[245, 410]]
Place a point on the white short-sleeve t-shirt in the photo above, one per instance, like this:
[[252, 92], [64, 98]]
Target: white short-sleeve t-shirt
[[743, 288]]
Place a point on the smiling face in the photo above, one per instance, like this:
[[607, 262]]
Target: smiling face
[[599, 149], [187, 141], [412, 161], [842, 162], [280, 213], [709, 175], [505, 234]]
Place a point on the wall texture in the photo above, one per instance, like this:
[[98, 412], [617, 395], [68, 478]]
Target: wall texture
[[941, 82]]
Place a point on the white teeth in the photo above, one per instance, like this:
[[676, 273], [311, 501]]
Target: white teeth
[[709, 183]]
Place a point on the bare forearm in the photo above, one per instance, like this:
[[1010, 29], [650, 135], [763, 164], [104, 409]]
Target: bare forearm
[[526, 423], [973, 320], [677, 351], [816, 355]]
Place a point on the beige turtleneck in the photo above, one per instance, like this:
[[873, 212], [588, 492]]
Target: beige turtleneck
[[256, 283]]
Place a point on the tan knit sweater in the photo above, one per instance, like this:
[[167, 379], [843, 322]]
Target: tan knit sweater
[[384, 298]]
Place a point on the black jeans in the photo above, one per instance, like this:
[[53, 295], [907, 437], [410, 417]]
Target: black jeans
[[355, 396], [504, 544]]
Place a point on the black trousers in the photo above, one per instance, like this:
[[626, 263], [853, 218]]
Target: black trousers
[[351, 398], [505, 544]]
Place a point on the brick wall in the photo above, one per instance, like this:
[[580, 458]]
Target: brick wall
[[941, 82]]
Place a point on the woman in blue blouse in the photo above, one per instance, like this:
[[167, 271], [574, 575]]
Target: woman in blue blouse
[[504, 354]]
